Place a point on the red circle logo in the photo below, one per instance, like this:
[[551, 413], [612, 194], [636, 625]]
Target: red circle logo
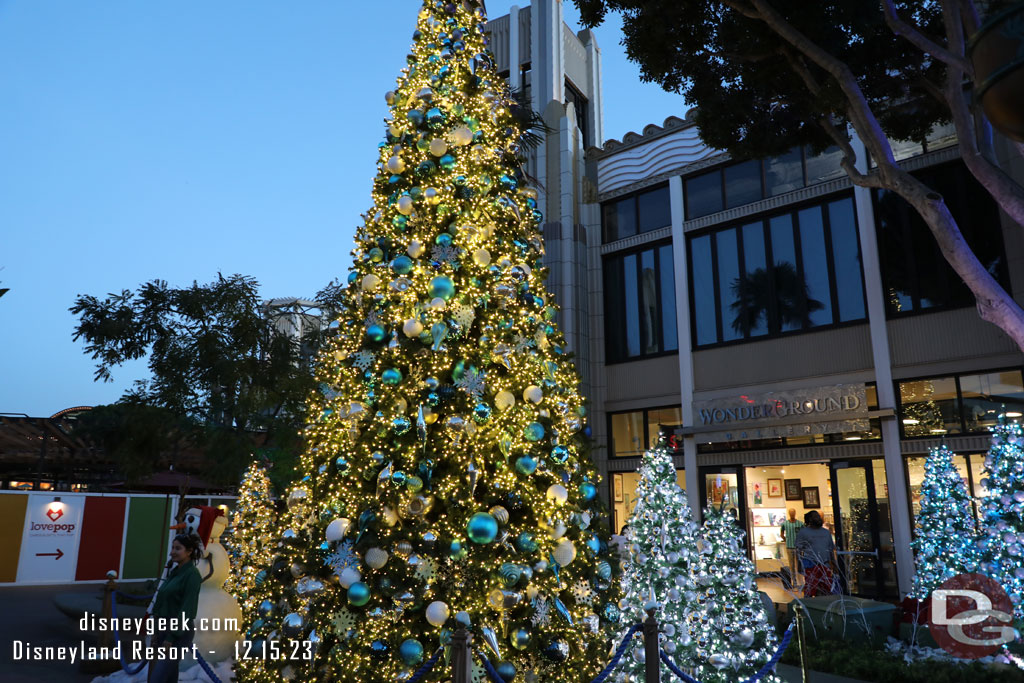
[[971, 616]]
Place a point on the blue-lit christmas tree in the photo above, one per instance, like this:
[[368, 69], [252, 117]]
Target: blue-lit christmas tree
[[1001, 543], [944, 544], [663, 562], [734, 637]]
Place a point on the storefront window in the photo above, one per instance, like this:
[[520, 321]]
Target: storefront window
[[915, 477], [987, 396], [663, 420], [624, 494], [949, 405], [636, 431], [929, 407], [723, 491], [774, 490]]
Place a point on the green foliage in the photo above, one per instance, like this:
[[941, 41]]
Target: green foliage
[[135, 436], [857, 661]]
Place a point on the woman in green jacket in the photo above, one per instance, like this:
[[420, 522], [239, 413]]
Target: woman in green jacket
[[177, 599]]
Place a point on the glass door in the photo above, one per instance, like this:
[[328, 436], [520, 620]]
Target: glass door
[[862, 530], [722, 488]]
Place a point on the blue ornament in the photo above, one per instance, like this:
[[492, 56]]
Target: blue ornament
[[560, 454], [506, 670], [525, 464], [435, 116], [379, 649], [510, 574], [411, 651], [587, 491], [443, 239], [415, 117], [594, 543], [376, 255], [358, 594], [557, 651], [534, 431], [400, 222], [426, 167], [376, 333], [482, 413], [399, 478], [520, 638], [341, 464], [562, 610], [400, 425], [482, 528], [456, 551], [442, 287], [526, 544], [611, 613], [604, 570], [402, 265], [391, 376], [352, 277], [447, 162]]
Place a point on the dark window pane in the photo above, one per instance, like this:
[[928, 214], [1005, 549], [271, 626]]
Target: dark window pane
[[742, 183], [989, 395], [662, 419], [824, 166], [666, 270], [728, 279], [632, 306], [703, 290], [789, 289], [619, 219], [704, 194], [896, 251], [627, 434], [784, 174], [650, 334], [815, 262], [754, 290], [609, 222], [653, 210], [846, 257], [615, 309], [929, 407]]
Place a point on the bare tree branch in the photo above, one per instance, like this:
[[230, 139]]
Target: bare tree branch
[[922, 42]]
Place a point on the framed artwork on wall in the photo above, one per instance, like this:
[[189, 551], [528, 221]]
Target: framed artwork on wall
[[617, 488], [793, 490], [811, 499], [775, 488]]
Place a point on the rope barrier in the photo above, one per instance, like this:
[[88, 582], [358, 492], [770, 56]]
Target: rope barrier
[[427, 666], [492, 673], [764, 670]]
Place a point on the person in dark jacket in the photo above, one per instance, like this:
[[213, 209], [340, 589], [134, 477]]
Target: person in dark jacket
[[818, 555], [178, 600]]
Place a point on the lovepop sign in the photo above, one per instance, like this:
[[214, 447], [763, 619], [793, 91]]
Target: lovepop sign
[[50, 541]]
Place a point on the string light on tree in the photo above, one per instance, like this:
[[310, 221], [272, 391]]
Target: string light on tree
[[253, 522], [446, 480], [1001, 542]]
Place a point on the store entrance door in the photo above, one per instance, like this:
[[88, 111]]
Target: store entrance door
[[862, 530]]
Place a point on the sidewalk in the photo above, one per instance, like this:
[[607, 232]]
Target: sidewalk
[[791, 674]]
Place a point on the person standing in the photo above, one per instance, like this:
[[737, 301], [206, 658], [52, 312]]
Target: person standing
[[790, 527], [818, 555], [177, 599]]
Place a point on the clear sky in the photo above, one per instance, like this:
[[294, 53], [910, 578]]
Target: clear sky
[[173, 140]]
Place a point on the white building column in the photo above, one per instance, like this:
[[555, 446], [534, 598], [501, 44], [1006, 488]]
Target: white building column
[[899, 507], [515, 73], [682, 277]]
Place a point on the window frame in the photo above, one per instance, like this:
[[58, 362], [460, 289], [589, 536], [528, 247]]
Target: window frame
[[792, 210], [645, 429], [616, 260], [959, 399], [636, 212]]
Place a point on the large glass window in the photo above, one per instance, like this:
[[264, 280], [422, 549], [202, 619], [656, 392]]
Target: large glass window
[[915, 274], [704, 194], [636, 431], [742, 183], [640, 303], [965, 403], [637, 213], [795, 271]]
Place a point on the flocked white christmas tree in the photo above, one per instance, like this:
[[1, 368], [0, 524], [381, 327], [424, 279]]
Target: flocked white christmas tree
[[1001, 543], [944, 542], [733, 635], [664, 557]]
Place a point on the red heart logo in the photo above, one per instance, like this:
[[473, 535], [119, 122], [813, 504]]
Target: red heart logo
[[54, 515]]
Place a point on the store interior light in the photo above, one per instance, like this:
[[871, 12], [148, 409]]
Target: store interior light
[[938, 431], [1013, 413], [852, 437], [911, 421]]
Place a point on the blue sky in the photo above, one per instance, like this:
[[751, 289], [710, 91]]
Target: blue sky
[[143, 140]]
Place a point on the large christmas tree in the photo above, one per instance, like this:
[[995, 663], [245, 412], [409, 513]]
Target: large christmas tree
[[734, 637], [944, 543], [664, 561], [1001, 543], [445, 480]]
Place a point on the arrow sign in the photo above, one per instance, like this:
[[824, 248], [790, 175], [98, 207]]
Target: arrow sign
[[57, 555]]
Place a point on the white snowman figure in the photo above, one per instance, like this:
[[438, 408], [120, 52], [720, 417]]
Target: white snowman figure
[[218, 610]]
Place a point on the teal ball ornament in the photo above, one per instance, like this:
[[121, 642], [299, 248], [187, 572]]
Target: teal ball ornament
[[594, 544], [560, 454], [526, 544], [401, 265], [520, 638], [415, 117], [482, 413], [400, 426], [525, 464], [442, 287], [376, 255], [587, 491], [604, 570], [358, 594], [557, 651], [443, 239], [456, 550], [400, 222], [435, 117], [391, 376], [341, 464], [411, 651], [376, 333], [482, 528], [534, 431], [447, 162], [352, 277], [510, 574], [506, 670]]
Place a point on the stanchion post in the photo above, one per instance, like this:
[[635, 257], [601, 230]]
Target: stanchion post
[[106, 636], [798, 614], [462, 661], [652, 660]]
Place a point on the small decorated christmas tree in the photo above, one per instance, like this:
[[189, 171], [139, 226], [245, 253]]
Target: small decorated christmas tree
[[664, 558], [733, 635], [1001, 542], [252, 524], [944, 544]]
